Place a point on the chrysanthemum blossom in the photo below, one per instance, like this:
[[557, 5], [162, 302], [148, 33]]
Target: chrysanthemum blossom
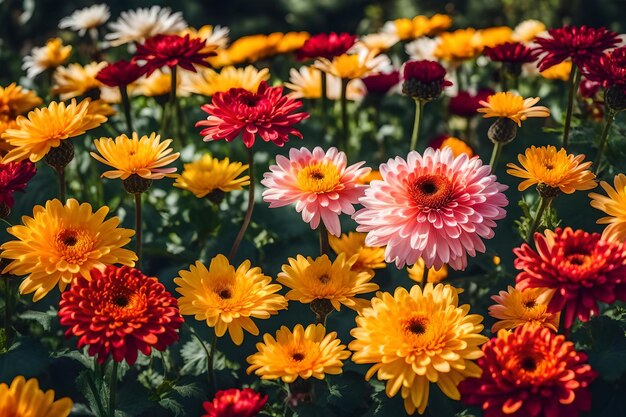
[[420, 274], [139, 24], [527, 30], [306, 82], [433, 206], [353, 243], [326, 45], [120, 312], [213, 36], [512, 106], [208, 82], [578, 268], [424, 80], [531, 372], [267, 113], [77, 80], [303, 353], [381, 82], [172, 51], [228, 298], [85, 19], [15, 100], [120, 73], [457, 145], [466, 104], [24, 398], [614, 205], [418, 337], [14, 176], [235, 403], [321, 184], [49, 56], [511, 52], [514, 308], [61, 242], [458, 46], [208, 175], [354, 65]]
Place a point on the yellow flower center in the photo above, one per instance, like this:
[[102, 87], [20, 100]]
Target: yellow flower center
[[432, 191], [506, 104], [422, 333], [348, 66], [74, 245], [319, 178]]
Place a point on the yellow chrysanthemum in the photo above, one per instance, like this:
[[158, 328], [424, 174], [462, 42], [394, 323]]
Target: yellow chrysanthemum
[[50, 56], [512, 106], [100, 107], [252, 48], [417, 337], [370, 176], [556, 169], [515, 308], [5, 124], [291, 41], [159, 83], [458, 146], [351, 66], [14, 100], [45, 128], [61, 242], [559, 71], [305, 353], [420, 25], [77, 80], [145, 156], [368, 258], [320, 279], [494, 36], [418, 271], [528, 30], [614, 205], [460, 45], [25, 399], [306, 82], [208, 82], [226, 298], [208, 174], [213, 36]]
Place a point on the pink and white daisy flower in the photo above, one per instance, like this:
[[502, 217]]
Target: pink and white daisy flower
[[432, 206], [320, 184]]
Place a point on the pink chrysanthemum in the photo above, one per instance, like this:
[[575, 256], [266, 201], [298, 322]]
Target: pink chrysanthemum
[[321, 184], [432, 206]]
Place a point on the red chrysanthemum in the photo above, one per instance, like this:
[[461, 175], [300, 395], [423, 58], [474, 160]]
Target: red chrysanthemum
[[588, 88], [381, 83], [424, 80], [580, 269], [14, 176], [172, 51], [267, 113], [511, 52], [466, 104], [235, 403], [119, 312], [531, 372], [120, 73], [326, 45], [609, 70], [582, 44]]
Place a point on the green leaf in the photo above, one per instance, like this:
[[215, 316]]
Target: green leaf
[[189, 390], [173, 406], [43, 318]]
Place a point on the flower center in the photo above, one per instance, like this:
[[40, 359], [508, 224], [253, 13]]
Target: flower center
[[528, 364], [121, 301], [73, 246], [297, 356], [225, 294], [321, 177], [416, 325], [324, 278], [529, 304], [432, 191]]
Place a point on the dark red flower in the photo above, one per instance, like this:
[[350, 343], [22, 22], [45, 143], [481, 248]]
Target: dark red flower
[[267, 113], [466, 104], [531, 372], [588, 88], [14, 176], [172, 51], [511, 52], [120, 73], [326, 45], [381, 83], [119, 312], [609, 69], [582, 44], [579, 267], [235, 403], [424, 80]]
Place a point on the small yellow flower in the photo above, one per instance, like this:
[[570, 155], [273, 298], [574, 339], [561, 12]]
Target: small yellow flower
[[494, 36], [614, 205], [77, 80], [460, 45], [291, 41], [25, 399], [368, 258], [559, 71], [556, 169], [50, 56], [515, 308], [458, 146], [420, 25], [512, 106], [208, 174], [252, 48], [303, 353], [351, 66], [14, 100], [145, 156], [208, 82], [418, 271], [370, 176]]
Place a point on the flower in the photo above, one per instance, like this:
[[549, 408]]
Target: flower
[[528, 30], [14, 176], [208, 82], [213, 36], [614, 205], [433, 206], [267, 113], [494, 36], [159, 83], [140, 24], [368, 258], [560, 71], [61, 242], [415, 337], [248, 49], [511, 52], [321, 184], [87, 18], [77, 80], [307, 83], [420, 25], [145, 156], [226, 298], [424, 80], [381, 83], [580, 43], [46, 57], [530, 372], [460, 45], [369, 177], [578, 268], [610, 72], [417, 272], [511, 106], [208, 175], [291, 41], [120, 73], [515, 308], [378, 42], [303, 353], [466, 104], [235, 403], [457, 145], [119, 312], [422, 49], [322, 279], [25, 398], [356, 65], [172, 51], [326, 45], [45, 128], [556, 169], [15, 100]]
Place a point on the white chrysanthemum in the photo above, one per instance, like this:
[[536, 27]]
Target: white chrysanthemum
[[212, 35], [137, 25], [378, 42], [85, 19], [422, 48]]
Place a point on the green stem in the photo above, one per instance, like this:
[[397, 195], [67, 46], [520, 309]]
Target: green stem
[[344, 117], [248, 216], [503, 78], [324, 96], [544, 203], [419, 106], [574, 79], [495, 155], [94, 390], [7, 310], [126, 107], [113, 389], [206, 351], [62, 189], [324, 245], [211, 361], [603, 140], [138, 228]]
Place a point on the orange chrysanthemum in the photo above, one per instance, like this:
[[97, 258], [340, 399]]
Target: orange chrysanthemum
[[77, 80], [515, 308], [212, 177], [25, 399], [512, 106], [460, 45], [614, 205], [15, 100], [417, 272], [368, 258]]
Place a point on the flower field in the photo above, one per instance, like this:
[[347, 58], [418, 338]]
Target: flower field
[[419, 216]]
